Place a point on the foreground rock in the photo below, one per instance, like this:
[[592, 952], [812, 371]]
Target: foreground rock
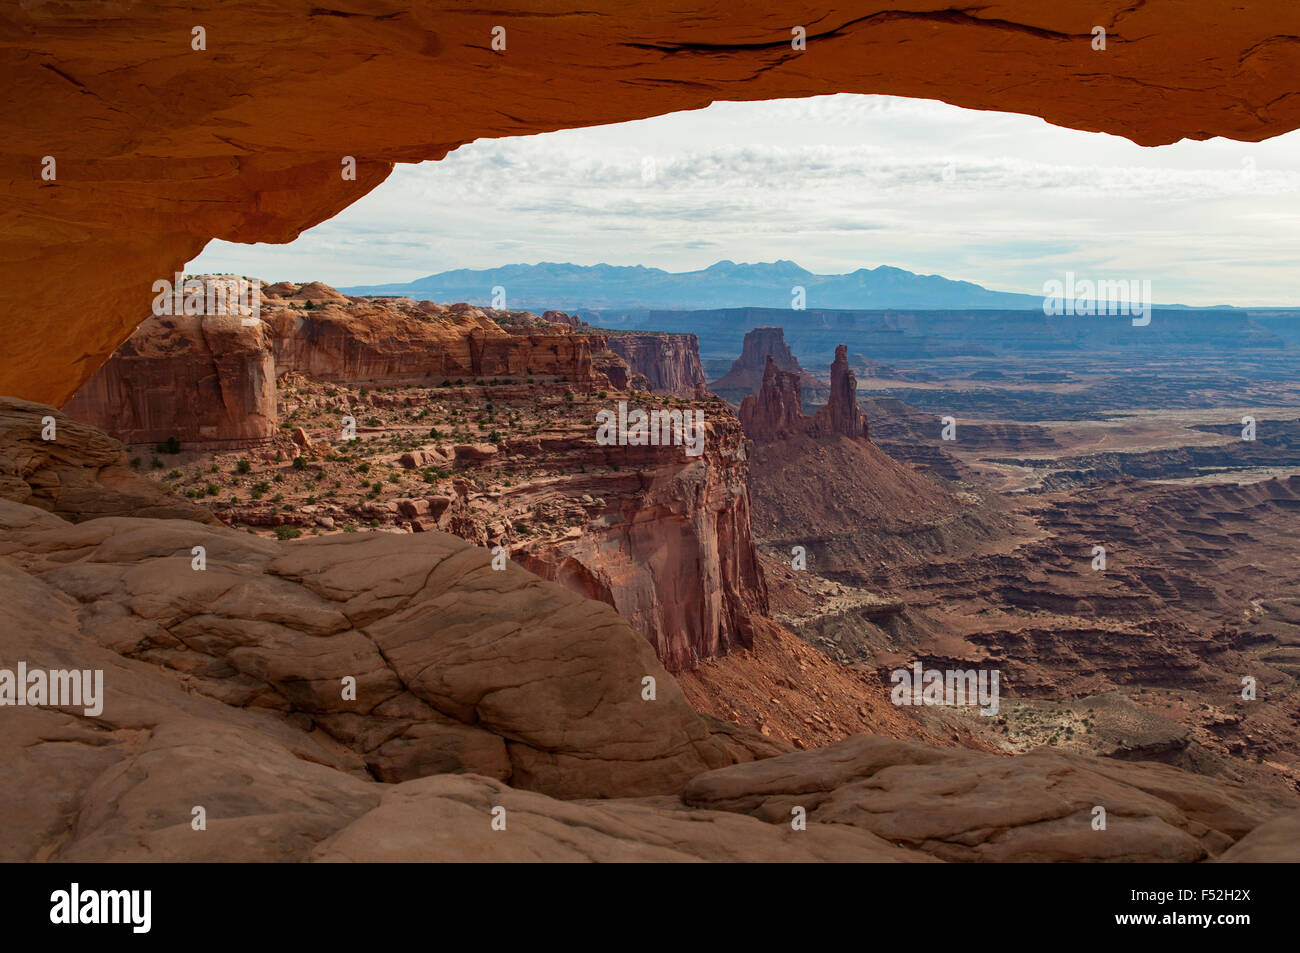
[[541, 829], [963, 805], [377, 697], [1276, 842], [78, 473]]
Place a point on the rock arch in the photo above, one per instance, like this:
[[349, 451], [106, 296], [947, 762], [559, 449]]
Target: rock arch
[[159, 148]]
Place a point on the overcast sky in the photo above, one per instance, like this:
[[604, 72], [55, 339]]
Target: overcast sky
[[834, 183]]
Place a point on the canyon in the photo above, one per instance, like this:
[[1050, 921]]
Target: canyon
[[290, 569], [481, 423], [472, 689]]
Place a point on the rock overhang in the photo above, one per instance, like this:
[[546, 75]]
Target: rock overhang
[[160, 147]]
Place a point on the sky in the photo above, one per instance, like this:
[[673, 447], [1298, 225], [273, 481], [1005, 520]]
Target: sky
[[835, 183]]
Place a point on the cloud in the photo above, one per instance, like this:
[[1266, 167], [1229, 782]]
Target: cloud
[[834, 183]]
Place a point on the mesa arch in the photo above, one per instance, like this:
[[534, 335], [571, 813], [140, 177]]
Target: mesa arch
[[160, 147]]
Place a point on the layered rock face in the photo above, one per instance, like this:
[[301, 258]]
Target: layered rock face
[[399, 341], [776, 411], [748, 371], [671, 550], [207, 380], [670, 363]]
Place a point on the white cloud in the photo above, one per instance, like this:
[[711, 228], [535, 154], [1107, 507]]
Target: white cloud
[[834, 183]]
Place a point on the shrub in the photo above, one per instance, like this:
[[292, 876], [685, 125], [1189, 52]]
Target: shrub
[[287, 532], [156, 463], [213, 489], [300, 463], [243, 466], [170, 445]]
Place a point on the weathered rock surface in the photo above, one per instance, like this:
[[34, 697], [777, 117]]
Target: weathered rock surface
[[222, 691], [670, 363], [539, 829], [776, 411], [1274, 842], [963, 805], [457, 666], [207, 380], [669, 544], [78, 474]]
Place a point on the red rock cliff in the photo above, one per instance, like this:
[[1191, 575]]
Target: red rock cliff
[[207, 380], [669, 544], [776, 411], [400, 341], [670, 363]]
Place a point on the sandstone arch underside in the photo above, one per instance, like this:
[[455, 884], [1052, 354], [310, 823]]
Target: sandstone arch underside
[[160, 148]]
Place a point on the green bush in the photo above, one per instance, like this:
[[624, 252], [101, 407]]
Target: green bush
[[300, 463], [243, 466], [170, 445], [287, 532]]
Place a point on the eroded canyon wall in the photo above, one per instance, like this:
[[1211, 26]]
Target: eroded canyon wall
[[670, 363], [207, 380]]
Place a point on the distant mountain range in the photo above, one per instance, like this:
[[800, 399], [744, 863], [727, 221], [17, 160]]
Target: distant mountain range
[[726, 284]]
